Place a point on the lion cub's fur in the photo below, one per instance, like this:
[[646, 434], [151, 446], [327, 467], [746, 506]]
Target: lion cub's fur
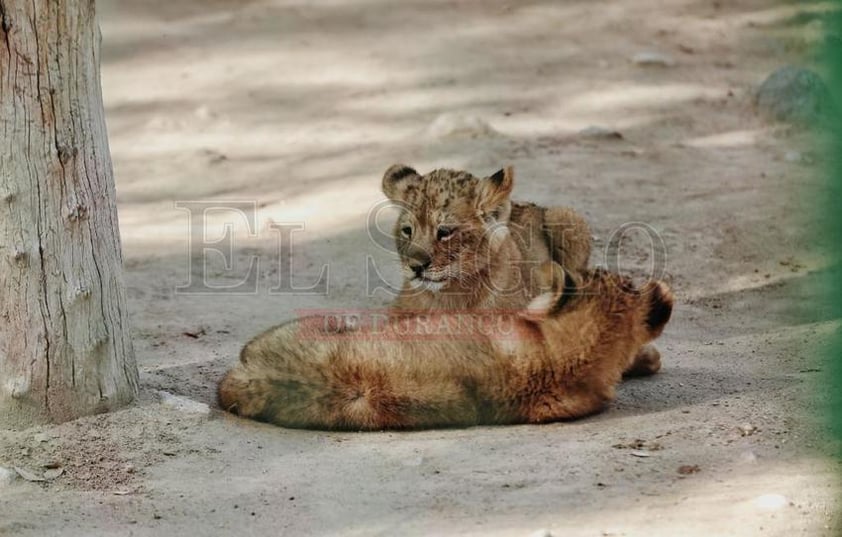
[[566, 352]]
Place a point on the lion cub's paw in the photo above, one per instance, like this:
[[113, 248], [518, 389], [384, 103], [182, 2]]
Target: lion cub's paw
[[646, 362]]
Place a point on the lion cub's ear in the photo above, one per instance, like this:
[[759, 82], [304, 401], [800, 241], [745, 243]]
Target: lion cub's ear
[[557, 286], [396, 179], [494, 191]]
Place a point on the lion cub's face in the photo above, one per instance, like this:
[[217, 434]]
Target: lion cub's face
[[451, 224]]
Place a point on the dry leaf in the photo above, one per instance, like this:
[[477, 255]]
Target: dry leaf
[[688, 469]]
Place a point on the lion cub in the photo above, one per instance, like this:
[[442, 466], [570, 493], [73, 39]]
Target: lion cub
[[464, 244], [558, 358]]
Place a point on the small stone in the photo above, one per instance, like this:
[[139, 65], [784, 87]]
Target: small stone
[[214, 156], [600, 133], [687, 469], [183, 404], [41, 438], [747, 429], [651, 58], [771, 501], [792, 156], [795, 95], [7, 476], [29, 476], [541, 533]]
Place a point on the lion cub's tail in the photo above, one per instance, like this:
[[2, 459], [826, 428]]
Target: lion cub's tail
[[661, 301]]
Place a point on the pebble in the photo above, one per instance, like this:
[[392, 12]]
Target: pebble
[[798, 157], [688, 469], [794, 95], [651, 58], [771, 501], [183, 404], [29, 476], [7, 476], [602, 133], [792, 156]]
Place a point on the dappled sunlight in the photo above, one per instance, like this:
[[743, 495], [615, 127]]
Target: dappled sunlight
[[288, 112], [732, 139], [634, 97], [322, 214]]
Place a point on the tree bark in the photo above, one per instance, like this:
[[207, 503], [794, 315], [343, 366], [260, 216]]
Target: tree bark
[[65, 347]]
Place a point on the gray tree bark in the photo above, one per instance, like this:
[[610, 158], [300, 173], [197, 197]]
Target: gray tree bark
[[65, 347]]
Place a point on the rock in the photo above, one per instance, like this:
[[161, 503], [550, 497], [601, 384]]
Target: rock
[[183, 404], [7, 476], [747, 429], [454, 125], [541, 533], [41, 438], [770, 501], [799, 158], [688, 469], [601, 133], [795, 95], [792, 156], [651, 58], [29, 476]]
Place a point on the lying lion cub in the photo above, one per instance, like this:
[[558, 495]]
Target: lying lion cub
[[559, 358]]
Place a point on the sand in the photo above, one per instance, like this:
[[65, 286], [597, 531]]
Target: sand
[[296, 109]]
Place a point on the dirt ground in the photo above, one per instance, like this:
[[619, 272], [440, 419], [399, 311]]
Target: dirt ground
[[298, 107]]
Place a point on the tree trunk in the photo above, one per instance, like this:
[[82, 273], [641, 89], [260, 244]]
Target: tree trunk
[[65, 348]]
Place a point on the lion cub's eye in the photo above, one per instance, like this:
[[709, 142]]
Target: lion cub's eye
[[444, 233], [406, 231]]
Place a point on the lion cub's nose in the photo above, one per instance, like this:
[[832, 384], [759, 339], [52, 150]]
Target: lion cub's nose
[[418, 267]]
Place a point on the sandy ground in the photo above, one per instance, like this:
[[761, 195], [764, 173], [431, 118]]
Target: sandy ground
[[298, 107]]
